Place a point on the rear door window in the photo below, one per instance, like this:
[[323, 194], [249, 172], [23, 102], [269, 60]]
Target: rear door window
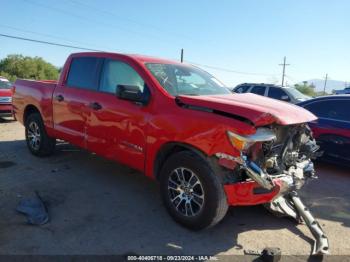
[[84, 72], [259, 90]]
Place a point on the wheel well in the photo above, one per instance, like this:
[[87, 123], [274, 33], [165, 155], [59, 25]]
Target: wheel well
[[29, 110], [167, 150]]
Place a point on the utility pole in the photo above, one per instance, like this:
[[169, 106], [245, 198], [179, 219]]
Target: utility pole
[[325, 84], [284, 69], [182, 55]]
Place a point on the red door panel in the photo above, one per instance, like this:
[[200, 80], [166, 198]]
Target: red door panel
[[117, 130], [70, 113]]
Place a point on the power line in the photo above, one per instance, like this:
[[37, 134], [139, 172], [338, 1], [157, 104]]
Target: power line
[[116, 16], [96, 22], [49, 43], [41, 34], [229, 70], [96, 50]]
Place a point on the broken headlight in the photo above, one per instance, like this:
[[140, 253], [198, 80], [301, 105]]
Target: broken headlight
[[241, 143]]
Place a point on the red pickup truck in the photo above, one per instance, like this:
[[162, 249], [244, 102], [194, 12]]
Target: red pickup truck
[[208, 148], [5, 98]]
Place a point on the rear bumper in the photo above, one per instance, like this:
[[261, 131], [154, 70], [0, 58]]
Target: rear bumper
[[250, 193]]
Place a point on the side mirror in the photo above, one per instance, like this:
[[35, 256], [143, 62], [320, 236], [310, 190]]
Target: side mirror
[[285, 98], [132, 93]]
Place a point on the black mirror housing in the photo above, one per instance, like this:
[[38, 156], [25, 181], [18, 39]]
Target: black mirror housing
[[132, 93]]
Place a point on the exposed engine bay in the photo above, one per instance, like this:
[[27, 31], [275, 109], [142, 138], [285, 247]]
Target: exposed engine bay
[[281, 156]]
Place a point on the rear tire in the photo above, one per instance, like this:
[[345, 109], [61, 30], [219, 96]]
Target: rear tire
[[38, 142], [192, 193]]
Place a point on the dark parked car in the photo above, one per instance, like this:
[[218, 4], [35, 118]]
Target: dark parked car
[[343, 92], [332, 129], [288, 94]]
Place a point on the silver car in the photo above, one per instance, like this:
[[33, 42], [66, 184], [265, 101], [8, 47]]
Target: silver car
[[288, 94]]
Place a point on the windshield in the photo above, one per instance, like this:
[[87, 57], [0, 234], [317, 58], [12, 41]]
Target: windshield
[[5, 84], [186, 80], [296, 93]]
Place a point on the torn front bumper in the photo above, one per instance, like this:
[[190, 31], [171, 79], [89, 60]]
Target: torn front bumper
[[278, 194], [250, 193], [263, 188]]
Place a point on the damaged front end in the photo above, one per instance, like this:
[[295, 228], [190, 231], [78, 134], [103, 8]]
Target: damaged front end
[[272, 165]]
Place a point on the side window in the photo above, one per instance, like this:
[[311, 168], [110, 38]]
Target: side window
[[119, 73], [342, 108], [242, 89], [317, 108], [259, 90], [336, 109], [83, 72], [278, 93]]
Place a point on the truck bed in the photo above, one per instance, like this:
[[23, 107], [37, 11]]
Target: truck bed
[[36, 93]]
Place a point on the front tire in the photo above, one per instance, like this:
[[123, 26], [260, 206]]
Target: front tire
[[38, 142], [191, 191]]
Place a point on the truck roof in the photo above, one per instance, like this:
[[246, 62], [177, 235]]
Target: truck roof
[[137, 57]]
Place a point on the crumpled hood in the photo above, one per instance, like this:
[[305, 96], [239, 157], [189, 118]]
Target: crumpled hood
[[258, 109]]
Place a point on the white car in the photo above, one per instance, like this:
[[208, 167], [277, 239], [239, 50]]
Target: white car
[[288, 94]]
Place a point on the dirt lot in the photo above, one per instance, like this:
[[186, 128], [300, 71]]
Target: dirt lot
[[100, 207]]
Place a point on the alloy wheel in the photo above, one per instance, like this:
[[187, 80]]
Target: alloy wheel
[[34, 136], [185, 191]]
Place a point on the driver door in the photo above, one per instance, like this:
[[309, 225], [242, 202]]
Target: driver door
[[116, 128]]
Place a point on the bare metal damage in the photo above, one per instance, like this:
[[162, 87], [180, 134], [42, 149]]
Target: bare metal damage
[[286, 157]]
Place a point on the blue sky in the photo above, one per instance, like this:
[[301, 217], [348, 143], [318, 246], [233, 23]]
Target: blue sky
[[249, 36]]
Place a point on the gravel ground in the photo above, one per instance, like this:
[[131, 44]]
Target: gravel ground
[[99, 207]]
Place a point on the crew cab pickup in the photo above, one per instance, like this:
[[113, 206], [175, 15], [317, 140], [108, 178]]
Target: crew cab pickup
[[208, 148]]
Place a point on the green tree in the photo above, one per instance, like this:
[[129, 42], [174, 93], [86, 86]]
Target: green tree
[[306, 89], [19, 66]]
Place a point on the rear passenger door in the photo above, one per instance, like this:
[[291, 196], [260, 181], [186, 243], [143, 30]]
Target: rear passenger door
[[72, 100]]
